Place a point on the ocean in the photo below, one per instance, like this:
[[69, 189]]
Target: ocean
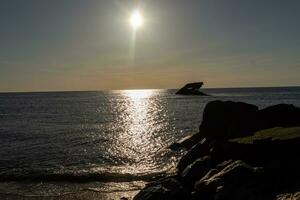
[[102, 144]]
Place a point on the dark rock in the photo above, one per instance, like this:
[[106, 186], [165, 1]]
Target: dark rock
[[237, 180], [197, 151], [269, 153], [175, 146], [196, 170], [224, 164], [279, 158], [216, 158], [227, 120], [191, 89], [205, 192], [217, 178], [186, 142], [289, 196], [224, 120], [281, 115], [166, 189]]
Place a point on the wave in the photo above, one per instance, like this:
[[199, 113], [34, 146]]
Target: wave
[[15, 194], [82, 178]]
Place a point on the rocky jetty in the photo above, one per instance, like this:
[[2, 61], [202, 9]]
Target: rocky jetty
[[240, 153], [191, 89]]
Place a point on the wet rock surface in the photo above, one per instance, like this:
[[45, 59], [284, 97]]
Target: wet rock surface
[[168, 189]]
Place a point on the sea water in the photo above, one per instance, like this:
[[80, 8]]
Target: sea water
[[102, 144]]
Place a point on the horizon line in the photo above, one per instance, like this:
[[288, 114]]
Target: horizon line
[[107, 90]]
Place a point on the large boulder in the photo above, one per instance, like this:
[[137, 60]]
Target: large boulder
[[237, 180], [196, 170], [273, 147], [197, 151], [281, 115], [223, 120], [289, 196], [226, 119], [187, 142]]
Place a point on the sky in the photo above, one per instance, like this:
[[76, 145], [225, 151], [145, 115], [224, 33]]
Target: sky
[[62, 45]]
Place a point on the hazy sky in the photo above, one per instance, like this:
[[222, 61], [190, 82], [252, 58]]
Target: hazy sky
[[88, 44]]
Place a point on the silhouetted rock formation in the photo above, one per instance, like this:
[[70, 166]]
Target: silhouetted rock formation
[[195, 171], [235, 180], [224, 164], [191, 89], [263, 169], [199, 150], [223, 120], [283, 115], [166, 189]]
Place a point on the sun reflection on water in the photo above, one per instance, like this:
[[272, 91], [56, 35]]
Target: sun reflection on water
[[139, 120], [139, 143], [137, 94]]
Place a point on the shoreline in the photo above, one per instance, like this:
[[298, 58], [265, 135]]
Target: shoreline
[[69, 191]]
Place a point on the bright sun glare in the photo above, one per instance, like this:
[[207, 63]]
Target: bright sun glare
[[138, 94], [136, 19]]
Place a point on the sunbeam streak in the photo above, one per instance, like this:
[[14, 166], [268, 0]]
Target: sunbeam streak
[[136, 21]]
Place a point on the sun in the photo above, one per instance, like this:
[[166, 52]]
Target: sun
[[136, 19]]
